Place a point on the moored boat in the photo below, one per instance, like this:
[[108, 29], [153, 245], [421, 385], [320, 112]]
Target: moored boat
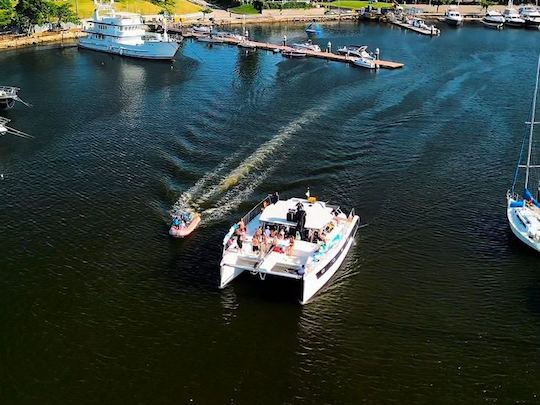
[[368, 63], [9, 96], [531, 15], [124, 34], [313, 28], [523, 212], [184, 224], [453, 17], [294, 53], [295, 239], [512, 17], [307, 46], [493, 17]]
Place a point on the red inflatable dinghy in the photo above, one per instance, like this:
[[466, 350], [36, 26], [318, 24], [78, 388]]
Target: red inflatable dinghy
[[183, 231]]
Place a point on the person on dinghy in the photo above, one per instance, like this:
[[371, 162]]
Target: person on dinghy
[[176, 222]]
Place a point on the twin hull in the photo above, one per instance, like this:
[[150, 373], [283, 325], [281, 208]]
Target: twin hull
[[312, 281]]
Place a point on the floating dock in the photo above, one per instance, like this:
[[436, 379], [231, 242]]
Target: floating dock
[[280, 48]]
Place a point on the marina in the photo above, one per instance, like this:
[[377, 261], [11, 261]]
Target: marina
[[137, 266], [290, 50]]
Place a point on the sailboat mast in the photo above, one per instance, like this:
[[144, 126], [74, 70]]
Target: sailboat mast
[[531, 132]]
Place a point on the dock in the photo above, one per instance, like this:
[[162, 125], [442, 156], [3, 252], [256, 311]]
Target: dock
[[281, 48]]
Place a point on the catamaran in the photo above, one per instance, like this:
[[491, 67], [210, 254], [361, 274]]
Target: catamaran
[[298, 239], [524, 212], [124, 34]]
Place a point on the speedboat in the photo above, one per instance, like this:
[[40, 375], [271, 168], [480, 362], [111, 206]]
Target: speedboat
[[419, 23], [354, 50], [184, 224], [531, 15], [368, 63], [297, 239], [493, 19], [124, 34], [512, 17], [453, 17], [307, 46], [524, 212]]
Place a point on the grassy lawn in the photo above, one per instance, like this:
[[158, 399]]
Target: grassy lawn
[[86, 7], [244, 9], [353, 4]]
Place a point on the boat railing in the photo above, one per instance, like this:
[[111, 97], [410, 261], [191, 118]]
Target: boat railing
[[256, 210]]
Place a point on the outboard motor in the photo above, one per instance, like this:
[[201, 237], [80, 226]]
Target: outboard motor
[[301, 220]]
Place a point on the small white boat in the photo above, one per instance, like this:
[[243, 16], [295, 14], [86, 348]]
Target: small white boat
[[531, 15], [294, 53], [453, 17], [201, 29], [307, 46], [421, 24], [355, 50], [301, 240], [368, 63], [512, 17], [493, 17], [211, 39], [523, 213]]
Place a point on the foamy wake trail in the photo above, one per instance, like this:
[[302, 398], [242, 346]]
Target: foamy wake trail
[[230, 190]]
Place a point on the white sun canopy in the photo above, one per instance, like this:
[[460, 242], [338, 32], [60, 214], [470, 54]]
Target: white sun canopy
[[318, 215]]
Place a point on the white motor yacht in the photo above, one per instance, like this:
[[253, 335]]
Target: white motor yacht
[[523, 213], [493, 17], [124, 34], [314, 238], [360, 51], [307, 46], [512, 17], [453, 17], [531, 15], [419, 23]]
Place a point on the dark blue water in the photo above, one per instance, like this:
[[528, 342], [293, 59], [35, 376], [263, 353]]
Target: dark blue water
[[436, 303]]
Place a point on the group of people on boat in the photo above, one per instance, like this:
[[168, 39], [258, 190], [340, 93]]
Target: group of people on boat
[[275, 238], [182, 220]]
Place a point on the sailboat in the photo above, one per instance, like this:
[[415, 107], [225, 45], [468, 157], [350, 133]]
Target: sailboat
[[524, 212]]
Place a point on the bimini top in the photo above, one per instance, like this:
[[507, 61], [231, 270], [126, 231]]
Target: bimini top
[[318, 214]]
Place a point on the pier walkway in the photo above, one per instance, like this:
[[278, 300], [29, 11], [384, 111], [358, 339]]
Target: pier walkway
[[280, 48]]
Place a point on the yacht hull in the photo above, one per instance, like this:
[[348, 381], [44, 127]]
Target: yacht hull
[[519, 230], [452, 21], [315, 281], [152, 50]]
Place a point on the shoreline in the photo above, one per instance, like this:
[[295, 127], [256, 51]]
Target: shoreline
[[48, 38], [472, 15]]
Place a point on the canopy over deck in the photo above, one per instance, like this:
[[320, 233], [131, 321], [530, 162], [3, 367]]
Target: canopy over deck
[[318, 215]]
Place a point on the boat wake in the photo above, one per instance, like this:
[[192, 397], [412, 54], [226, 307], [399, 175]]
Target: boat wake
[[219, 192]]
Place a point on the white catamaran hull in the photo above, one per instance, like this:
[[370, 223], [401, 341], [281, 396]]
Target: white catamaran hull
[[149, 50], [519, 229], [312, 281], [316, 280]]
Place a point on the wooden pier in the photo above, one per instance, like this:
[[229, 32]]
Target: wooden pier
[[280, 48]]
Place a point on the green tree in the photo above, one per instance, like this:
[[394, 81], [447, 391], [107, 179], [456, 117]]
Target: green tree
[[62, 13], [167, 5], [486, 3], [7, 13], [32, 12]]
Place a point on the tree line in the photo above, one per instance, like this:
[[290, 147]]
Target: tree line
[[26, 14]]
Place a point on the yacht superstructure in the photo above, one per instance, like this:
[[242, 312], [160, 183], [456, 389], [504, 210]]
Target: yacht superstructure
[[124, 34], [299, 239]]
